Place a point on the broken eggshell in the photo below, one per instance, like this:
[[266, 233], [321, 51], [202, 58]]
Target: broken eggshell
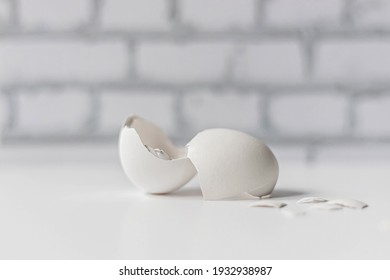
[[230, 163], [150, 160]]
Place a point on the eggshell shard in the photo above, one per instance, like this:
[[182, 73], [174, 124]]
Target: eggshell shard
[[311, 200], [230, 163], [326, 206], [268, 204], [350, 203], [148, 171]]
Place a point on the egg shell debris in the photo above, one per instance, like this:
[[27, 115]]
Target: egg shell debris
[[229, 163]]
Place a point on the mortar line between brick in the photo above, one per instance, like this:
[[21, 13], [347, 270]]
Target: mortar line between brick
[[95, 111], [347, 13], [351, 115], [260, 12], [231, 63], [266, 125], [132, 60], [15, 14], [13, 111], [275, 89], [180, 117], [95, 16], [192, 35], [174, 13], [314, 144], [307, 42], [5, 126]]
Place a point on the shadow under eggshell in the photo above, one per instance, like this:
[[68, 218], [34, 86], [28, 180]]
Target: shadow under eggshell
[[230, 163]]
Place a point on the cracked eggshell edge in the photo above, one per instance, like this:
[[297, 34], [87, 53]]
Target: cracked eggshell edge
[[148, 172], [230, 163]]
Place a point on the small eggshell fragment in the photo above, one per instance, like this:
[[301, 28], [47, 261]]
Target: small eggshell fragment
[[230, 163], [350, 203], [267, 203], [150, 160], [311, 200], [326, 206]]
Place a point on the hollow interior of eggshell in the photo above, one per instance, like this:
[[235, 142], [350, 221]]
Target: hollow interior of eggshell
[[152, 136]]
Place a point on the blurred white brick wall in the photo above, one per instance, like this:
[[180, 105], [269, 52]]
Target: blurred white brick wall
[[304, 12], [156, 106], [311, 77], [373, 116], [269, 62], [216, 15], [40, 60], [137, 15], [60, 113], [309, 114], [5, 14], [182, 63], [54, 14], [208, 109], [4, 111], [371, 13], [354, 60]]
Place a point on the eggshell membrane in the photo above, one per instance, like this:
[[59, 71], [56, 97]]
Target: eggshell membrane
[[148, 172], [230, 163]]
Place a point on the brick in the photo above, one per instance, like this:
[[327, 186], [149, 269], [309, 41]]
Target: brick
[[181, 63], [369, 13], [135, 14], [116, 106], [54, 14], [28, 155], [3, 113], [62, 60], [207, 109], [304, 12], [372, 116], [353, 60], [5, 13], [302, 115], [269, 62], [52, 112], [217, 15]]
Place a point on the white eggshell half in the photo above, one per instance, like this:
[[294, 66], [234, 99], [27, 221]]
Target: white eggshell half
[[148, 172], [230, 163]]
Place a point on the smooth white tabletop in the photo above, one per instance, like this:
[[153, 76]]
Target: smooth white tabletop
[[76, 203]]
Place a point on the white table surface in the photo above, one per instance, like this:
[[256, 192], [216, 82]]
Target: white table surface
[[76, 203]]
